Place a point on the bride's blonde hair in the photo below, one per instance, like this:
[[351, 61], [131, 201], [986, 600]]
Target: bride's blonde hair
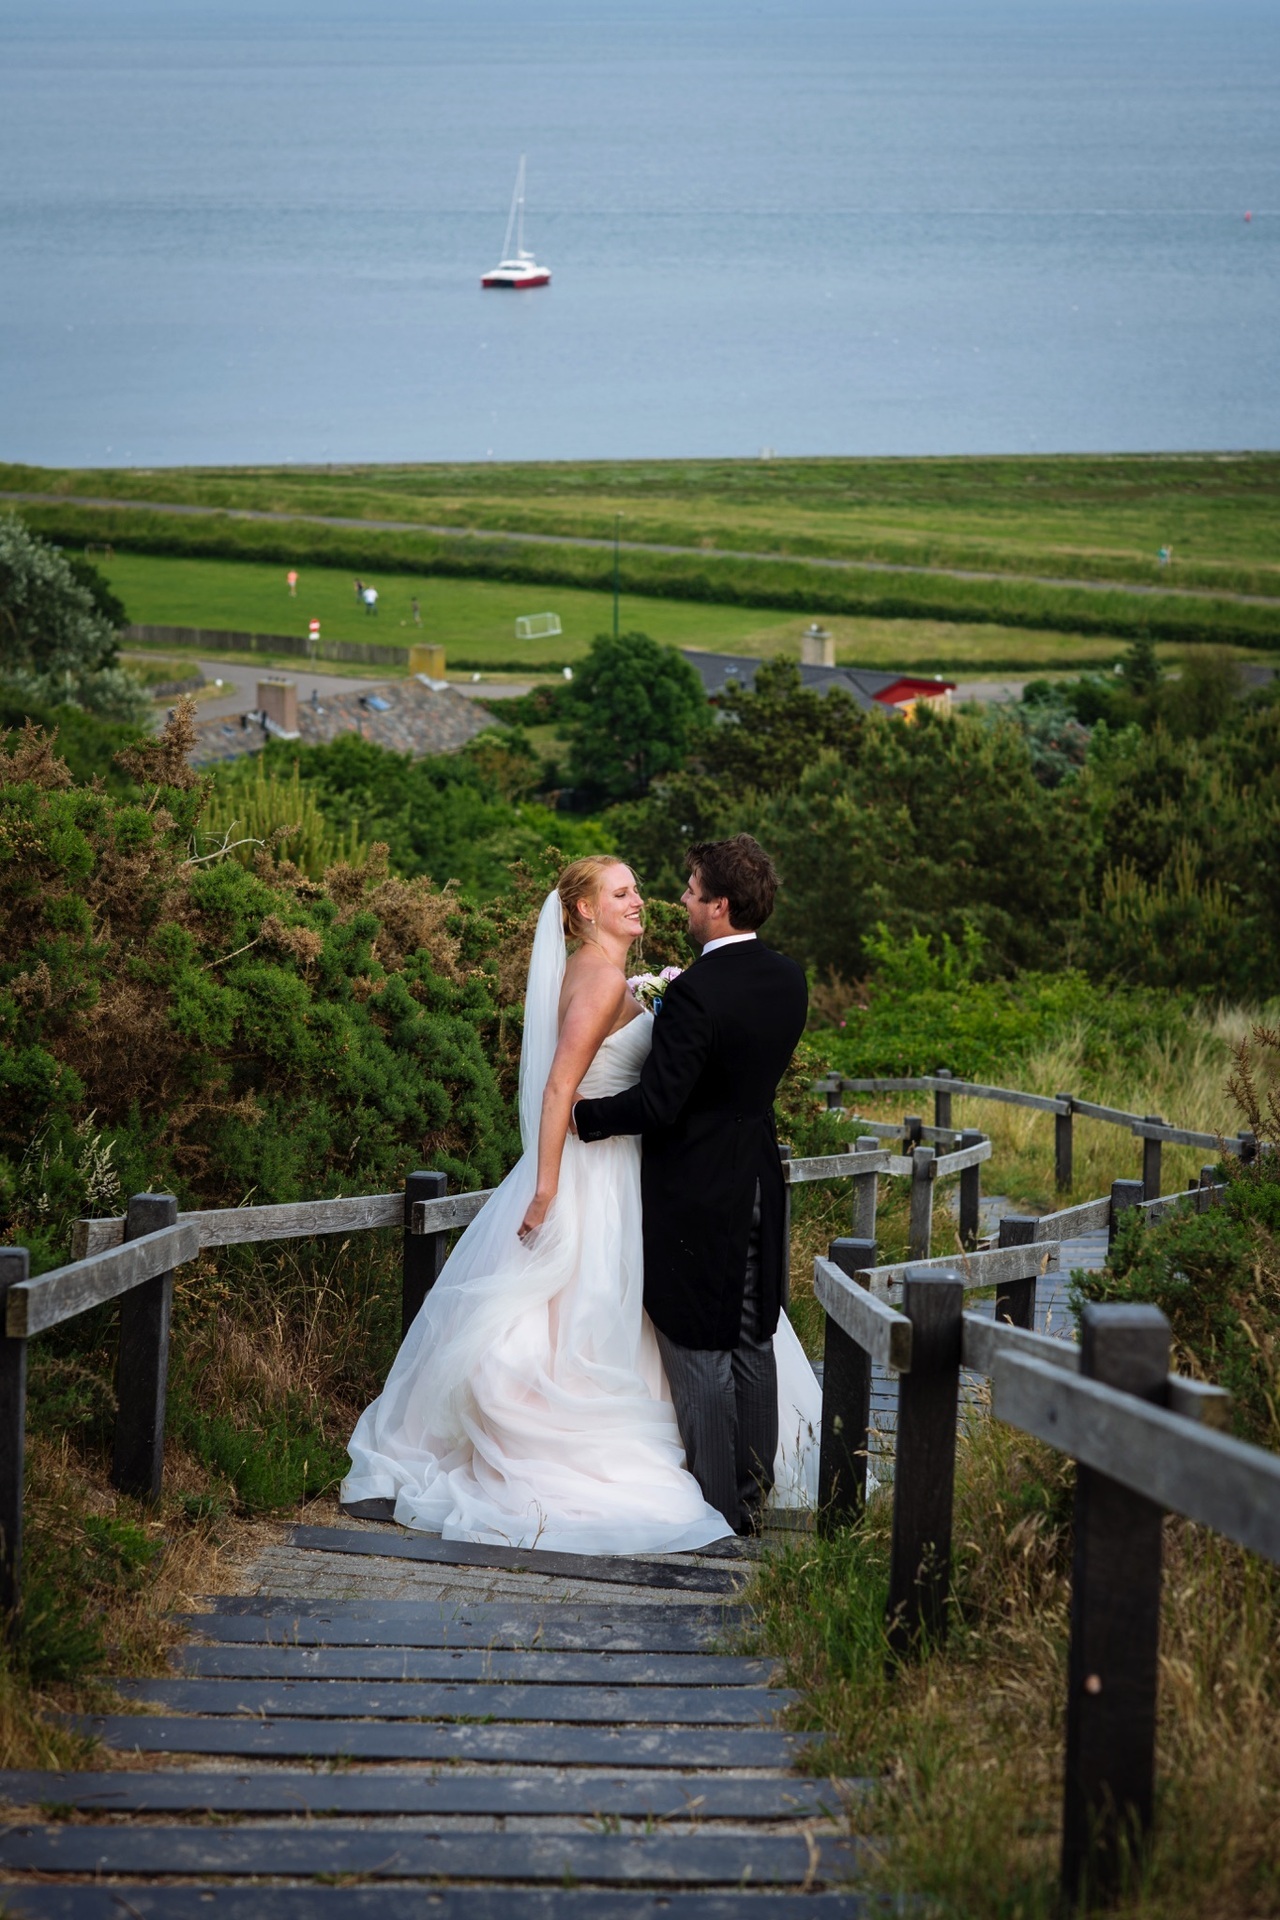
[[582, 880]]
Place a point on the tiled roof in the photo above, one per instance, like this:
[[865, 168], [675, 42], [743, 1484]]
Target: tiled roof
[[721, 670], [404, 715]]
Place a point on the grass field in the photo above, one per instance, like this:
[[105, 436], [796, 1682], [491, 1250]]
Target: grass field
[[475, 619], [1076, 517]]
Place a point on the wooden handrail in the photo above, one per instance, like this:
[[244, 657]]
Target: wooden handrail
[[32, 1306]]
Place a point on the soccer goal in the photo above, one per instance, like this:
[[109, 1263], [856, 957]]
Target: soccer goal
[[537, 626]]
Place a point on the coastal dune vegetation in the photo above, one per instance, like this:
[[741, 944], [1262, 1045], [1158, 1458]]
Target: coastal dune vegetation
[[301, 975]]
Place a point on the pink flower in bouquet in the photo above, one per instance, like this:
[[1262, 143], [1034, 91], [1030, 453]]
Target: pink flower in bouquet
[[647, 989]]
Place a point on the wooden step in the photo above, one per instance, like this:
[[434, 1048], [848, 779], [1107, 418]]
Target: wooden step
[[494, 1667], [453, 1701], [538, 1745], [324, 1847], [674, 1572], [446, 1794]]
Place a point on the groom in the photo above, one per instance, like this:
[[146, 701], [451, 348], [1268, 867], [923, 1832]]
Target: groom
[[714, 1201]]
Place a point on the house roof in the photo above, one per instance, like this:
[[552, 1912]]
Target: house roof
[[871, 691], [405, 715]]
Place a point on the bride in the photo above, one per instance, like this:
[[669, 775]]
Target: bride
[[527, 1405]]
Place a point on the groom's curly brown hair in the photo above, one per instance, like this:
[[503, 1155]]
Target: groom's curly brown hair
[[737, 870]]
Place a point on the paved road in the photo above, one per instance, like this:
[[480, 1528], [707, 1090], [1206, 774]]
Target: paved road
[[819, 563]]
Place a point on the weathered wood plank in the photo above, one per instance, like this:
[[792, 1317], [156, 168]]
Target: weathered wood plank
[[464, 1700], [977, 1270], [1180, 1136], [539, 1746], [34, 1305], [878, 1328], [530, 1615], [447, 1793], [836, 1166], [234, 1226], [588, 1636], [481, 1665], [96, 1235], [984, 1339], [455, 1210], [1183, 1467], [680, 1575], [966, 1157], [621, 1859], [86, 1901], [1117, 1116], [1070, 1222]]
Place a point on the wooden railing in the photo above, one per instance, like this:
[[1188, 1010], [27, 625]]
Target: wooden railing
[[133, 1258], [1145, 1441], [1150, 1128]]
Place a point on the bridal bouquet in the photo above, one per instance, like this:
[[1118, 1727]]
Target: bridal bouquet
[[648, 988]]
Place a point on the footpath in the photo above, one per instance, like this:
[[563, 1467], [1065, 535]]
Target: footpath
[[390, 1724]]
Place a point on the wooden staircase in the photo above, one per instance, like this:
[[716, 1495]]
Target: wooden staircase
[[530, 1755]]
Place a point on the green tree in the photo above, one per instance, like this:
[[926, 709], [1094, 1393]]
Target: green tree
[[635, 711], [770, 732], [56, 647]]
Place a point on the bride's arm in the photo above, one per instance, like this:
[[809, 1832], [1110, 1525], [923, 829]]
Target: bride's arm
[[591, 1014]]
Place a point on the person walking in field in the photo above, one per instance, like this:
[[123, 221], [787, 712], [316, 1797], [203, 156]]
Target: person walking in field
[[417, 612], [371, 599], [292, 578]]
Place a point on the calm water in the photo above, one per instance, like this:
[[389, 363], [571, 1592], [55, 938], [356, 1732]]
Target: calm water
[[237, 233]]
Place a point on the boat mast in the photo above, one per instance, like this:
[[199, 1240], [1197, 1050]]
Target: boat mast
[[516, 217]]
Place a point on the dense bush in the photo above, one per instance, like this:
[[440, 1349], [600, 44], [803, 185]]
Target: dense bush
[[56, 644], [168, 1020], [464, 817], [634, 711]]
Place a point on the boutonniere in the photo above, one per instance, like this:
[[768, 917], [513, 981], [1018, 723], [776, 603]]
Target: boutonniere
[[648, 989]]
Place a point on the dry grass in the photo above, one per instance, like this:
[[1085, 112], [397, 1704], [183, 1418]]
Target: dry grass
[[1184, 1082], [967, 1744]]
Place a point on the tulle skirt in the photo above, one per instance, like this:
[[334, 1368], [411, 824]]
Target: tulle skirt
[[528, 1406]]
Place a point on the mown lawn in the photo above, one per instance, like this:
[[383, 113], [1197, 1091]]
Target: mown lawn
[[475, 619]]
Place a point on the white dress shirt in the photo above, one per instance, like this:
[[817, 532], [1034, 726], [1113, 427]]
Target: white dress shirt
[[725, 940]]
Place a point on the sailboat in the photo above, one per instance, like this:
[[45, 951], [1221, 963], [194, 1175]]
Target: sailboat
[[518, 269]]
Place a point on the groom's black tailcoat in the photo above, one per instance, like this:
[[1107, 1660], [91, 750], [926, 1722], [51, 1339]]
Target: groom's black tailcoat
[[704, 1106]]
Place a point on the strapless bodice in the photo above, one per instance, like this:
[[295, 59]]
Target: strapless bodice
[[620, 1058]]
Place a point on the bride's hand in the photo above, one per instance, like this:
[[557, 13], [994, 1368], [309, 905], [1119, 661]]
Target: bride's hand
[[535, 1214]]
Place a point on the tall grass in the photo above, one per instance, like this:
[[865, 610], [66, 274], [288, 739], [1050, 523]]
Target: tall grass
[[966, 1746]]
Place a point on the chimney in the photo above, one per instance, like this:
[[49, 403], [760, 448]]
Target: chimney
[[817, 648], [426, 660], [278, 702]]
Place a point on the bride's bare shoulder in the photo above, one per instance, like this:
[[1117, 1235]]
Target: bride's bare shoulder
[[594, 986]]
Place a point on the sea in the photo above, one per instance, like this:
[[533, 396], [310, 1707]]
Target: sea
[[236, 233]]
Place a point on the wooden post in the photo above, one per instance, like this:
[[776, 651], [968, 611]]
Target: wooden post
[[142, 1368], [835, 1093], [784, 1153], [912, 1133], [925, 1467], [423, 1253], [1016, 1299], [846, 1407], [1151, 1152], [1062, 1145], [1115, 1627], [941, 1099], [1248, 1146], [1206, 1196], [970, 1193], [864, 1193], [1124, 1194], [14, 1266], [920, 1229]]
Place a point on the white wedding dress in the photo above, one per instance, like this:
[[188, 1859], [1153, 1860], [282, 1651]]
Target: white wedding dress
[[527, 1405]]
